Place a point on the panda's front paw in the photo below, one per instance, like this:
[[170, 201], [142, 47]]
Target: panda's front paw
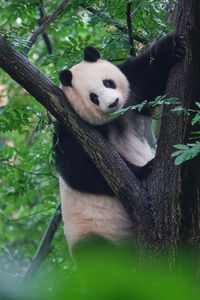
[[170, 49], [179, 47]]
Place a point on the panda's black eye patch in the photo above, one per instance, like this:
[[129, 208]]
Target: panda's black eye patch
[[109, 83], [94, 98]]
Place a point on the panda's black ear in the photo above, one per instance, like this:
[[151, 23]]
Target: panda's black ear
[[91, 54], [66, 77]]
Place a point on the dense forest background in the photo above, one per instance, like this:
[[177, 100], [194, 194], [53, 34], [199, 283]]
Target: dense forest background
[[29, 191]]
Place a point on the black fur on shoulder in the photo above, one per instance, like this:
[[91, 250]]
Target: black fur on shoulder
[[91, 54], [75, 167], [148, 73]]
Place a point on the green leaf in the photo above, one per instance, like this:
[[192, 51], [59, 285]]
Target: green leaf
[[181, 109], [176, 153], [179, 160], [181, 146], [186, 152], [196, 118], [197, 104]]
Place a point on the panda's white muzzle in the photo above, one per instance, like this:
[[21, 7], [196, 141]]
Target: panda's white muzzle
[[110, 100]]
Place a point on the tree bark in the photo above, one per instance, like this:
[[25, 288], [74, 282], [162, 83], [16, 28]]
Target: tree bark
[[175, 190]]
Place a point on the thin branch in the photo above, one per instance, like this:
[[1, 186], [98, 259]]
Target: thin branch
[[47, 42], [42, 10], [45, 34], [25, 217], [170, 9], [135, 36], [130, 30], [44, 248], [44, 25], [28, 172], [135, 10]]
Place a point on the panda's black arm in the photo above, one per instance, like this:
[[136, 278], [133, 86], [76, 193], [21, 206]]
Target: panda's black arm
[[78, 171], [75, 167], [148, 73]]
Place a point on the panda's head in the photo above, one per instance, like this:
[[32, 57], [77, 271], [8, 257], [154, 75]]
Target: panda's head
[[95, 88]]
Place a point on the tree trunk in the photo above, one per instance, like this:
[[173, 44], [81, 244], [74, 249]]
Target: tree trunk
[[175, 191]]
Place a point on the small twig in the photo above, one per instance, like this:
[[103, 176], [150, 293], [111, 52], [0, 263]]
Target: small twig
[[45, 35], [44, 25], [25, 217], [44, 248], [135, 10], [130, 31], [47, 42], [135, 36], [28, 172], [42, 11], [170, 11]]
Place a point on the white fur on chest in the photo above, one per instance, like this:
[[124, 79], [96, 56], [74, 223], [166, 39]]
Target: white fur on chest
[[131, 145], [85, 213]]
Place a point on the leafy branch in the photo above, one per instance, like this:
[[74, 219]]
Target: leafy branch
[[44, 26], [24, 217], [185, 152], [27, 172], [160, 100], [119, 27]]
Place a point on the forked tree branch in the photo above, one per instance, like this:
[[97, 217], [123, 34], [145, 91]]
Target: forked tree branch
[[44, 25], [123, 182]]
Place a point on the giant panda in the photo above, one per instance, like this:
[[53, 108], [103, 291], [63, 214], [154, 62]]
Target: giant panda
[[96, 88]]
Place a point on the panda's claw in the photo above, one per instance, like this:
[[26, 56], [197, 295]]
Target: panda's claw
[[179, 47], [183, 42]]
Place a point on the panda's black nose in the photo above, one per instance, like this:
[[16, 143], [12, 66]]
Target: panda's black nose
[[114, 103]]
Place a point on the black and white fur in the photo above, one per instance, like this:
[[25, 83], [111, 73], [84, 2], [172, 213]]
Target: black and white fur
[[95, 88]]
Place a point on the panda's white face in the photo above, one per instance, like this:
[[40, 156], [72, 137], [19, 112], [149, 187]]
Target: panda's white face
[[97, 89]]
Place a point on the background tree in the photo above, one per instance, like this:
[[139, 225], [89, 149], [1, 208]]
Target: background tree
[[30, 189]]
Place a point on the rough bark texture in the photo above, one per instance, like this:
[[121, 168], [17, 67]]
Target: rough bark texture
[[190, 226], [124, 184], [175, 190]]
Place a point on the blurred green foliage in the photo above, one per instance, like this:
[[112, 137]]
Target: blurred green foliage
[[108, 273], [29, 187]]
